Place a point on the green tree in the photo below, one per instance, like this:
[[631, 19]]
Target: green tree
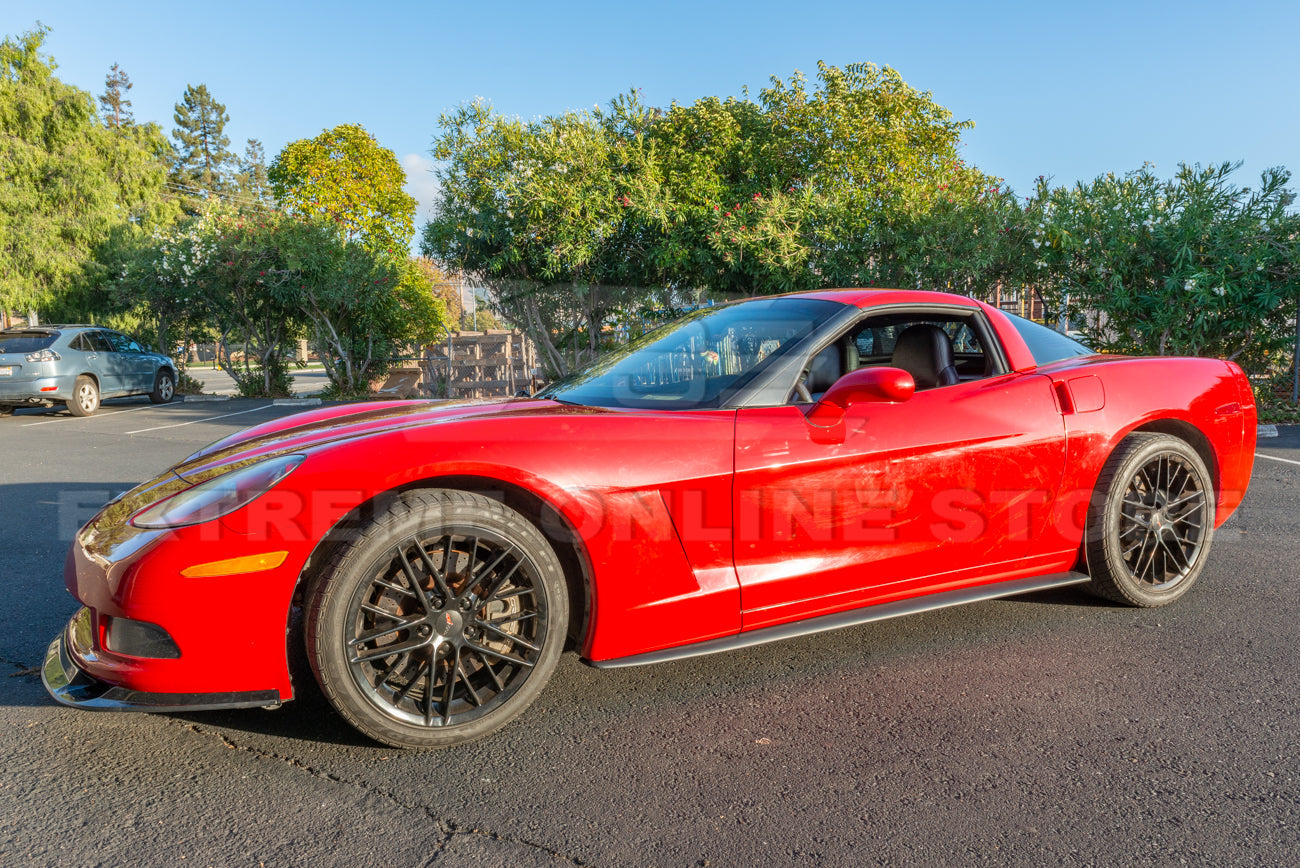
[[345, 177], [202, 156], [113, 101], [261, 279], [365, 307], [576, 219], [1191, 265], [537, 212], [251, 182], [68, 185]]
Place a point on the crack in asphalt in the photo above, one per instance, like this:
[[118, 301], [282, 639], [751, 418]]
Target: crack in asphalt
[[23, 669], [448, 828]]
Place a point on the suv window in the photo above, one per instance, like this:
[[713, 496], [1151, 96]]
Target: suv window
[[121, 343], [99, 342], [26, 342]]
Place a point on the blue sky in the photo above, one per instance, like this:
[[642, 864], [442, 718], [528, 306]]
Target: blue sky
[[1068, 90]]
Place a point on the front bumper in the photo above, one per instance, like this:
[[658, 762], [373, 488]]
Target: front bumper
[[71, 685]]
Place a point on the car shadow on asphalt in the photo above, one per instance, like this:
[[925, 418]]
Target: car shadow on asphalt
[[310, 717], [1072, 595]]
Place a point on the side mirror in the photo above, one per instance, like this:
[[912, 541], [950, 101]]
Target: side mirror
[[865, 385]]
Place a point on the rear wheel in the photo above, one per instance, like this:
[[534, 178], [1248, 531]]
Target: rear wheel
[[1149, 536], [164, 388], [7, 409], [85, 397], [439, 623]]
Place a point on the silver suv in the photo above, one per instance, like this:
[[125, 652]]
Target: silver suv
[[78, 365]]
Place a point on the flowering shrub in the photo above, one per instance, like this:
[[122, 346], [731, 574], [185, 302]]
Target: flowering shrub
[[1192, 265]]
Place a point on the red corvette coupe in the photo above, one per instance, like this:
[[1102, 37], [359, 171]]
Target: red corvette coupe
[[752, 472]]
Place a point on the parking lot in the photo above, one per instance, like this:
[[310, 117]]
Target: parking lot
[[1045, 729]]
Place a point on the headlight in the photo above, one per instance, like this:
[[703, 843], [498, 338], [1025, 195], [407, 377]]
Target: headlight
[[218, 496]]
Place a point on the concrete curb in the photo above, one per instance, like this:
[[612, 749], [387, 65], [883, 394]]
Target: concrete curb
[[199, 399], [296, 402]]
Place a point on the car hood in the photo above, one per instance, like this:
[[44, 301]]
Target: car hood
[[318, 428]]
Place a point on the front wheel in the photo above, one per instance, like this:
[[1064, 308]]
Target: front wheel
[[85, 397], [164, 388], [440, 622], [1149, 531]]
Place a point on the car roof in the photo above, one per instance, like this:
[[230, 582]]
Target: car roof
[[872, 297], [48, 329]]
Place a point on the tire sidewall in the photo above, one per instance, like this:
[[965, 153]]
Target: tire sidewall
[[328, 627], [1105, 551], [158, 395], [74, 405]]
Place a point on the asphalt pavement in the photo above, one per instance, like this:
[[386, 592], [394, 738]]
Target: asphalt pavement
[[1045, 729], [306, 381]]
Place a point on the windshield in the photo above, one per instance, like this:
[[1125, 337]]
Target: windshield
[[700, 360]]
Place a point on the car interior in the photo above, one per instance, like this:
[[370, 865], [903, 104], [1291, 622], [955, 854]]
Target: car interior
[[937, 350]]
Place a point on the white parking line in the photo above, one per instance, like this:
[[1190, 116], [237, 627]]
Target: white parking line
[[196, 421], [100, 415], [1274, 458]]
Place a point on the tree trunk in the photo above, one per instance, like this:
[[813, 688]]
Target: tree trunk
[[542, 337], [1295, 363]]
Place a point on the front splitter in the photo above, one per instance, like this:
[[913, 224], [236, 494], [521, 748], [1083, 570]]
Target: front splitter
[[72, 686]]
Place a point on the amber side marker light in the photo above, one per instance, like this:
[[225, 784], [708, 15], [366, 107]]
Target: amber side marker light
[[236, 566]]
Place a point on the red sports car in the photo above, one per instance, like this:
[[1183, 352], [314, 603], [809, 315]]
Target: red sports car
[[752, 472]]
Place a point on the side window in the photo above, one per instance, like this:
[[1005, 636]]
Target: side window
[[80, 344], [99, 343], [121, 343], [1047, 345], [875, 338]]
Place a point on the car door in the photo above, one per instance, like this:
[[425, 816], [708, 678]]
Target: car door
[[133, 368], [101, 360], [945, 489]]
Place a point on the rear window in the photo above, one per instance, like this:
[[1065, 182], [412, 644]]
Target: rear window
[[26, 342], [1047, 345]]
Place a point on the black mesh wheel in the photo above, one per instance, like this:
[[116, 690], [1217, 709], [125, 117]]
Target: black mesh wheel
[[1150, 527], [440, 623]]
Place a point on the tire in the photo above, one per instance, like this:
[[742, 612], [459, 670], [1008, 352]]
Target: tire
[[164, 388], [1151, 522], [85, 397], [7, 410], [414, 654]]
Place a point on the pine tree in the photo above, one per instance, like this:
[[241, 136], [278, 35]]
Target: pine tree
[[202, 158], [251, 180], [116, 107]]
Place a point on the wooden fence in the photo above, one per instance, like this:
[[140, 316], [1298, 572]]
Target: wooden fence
[[492, 364]]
